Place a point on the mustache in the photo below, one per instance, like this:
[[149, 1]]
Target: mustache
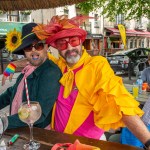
[[70, 51], [34, 53]]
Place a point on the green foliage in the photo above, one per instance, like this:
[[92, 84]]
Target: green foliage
[[2, 12], [131, 9]]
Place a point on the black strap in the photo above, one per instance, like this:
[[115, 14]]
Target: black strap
[[147, 144]]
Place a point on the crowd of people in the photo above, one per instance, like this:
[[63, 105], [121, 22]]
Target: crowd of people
[[86, 96]]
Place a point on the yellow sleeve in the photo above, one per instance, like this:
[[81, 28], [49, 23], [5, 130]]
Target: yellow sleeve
[[111, 99], [51, 57]]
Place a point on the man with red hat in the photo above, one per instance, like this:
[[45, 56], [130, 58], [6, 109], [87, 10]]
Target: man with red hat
[[92, 99]]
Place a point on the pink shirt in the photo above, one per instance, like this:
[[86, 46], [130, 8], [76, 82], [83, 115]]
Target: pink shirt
[[62, 113]]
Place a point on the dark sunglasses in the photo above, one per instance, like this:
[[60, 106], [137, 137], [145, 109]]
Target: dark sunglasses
[[62, 44], [37, 46]]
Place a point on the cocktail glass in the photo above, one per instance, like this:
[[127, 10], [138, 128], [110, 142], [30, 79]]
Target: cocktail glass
[[30, 113]]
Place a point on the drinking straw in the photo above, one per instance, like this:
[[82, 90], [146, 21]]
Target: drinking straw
[[27, 93]]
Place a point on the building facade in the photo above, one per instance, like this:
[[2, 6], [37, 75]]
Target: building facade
[[103, 36]]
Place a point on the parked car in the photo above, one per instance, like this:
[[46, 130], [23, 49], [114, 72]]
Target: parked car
[[119, 61]]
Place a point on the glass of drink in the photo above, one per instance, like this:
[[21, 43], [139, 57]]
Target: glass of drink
[[3, 127], [135, 90], [30, 113]]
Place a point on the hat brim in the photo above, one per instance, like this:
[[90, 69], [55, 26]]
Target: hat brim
[[25, 43], [66, 33]]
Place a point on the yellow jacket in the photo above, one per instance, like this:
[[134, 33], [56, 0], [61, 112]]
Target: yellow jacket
[[100, 91]]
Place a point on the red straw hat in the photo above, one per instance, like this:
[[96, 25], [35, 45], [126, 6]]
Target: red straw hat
[[60, 27]]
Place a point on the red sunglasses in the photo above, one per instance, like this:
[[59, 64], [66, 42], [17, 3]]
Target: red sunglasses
[[62, 44], [37, 46]]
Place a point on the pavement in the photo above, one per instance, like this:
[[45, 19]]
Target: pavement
[[8, 84], [126, 80]]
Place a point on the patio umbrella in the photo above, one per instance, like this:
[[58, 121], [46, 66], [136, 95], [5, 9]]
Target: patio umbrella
[[12, 5]]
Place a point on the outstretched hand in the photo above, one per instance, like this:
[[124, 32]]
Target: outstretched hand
[[4, 78], [10, 69], [8, 72]]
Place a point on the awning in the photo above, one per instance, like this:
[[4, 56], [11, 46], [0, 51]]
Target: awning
[[94, 36], [12, 5], [136, 33], [7, 26]]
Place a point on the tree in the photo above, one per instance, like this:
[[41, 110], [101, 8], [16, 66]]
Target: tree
[[131, 9]]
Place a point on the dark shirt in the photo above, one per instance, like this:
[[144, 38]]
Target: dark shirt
[[146, 75], [43, 86]]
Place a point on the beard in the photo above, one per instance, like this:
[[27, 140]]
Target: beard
[[35, 59], [36, 62], [72, 59]]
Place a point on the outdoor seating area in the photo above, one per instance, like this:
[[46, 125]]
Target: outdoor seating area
[[74, 75]]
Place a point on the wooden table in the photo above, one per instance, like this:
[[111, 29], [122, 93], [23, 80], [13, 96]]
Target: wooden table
[[49, 138], [142, 98]]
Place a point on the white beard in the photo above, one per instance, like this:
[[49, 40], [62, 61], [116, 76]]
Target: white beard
[[73, 59]]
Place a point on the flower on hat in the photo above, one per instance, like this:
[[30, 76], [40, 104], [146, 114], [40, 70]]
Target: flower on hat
[[13, 40]]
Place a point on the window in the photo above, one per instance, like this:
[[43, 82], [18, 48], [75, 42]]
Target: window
[[96, 23], [139, 43], [131, 44], [142, 44], [139, 23], [148, 43], [120, 19], [135, 44]]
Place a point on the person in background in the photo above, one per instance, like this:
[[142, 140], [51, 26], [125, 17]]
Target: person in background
[[127, 137], [121, 46], [92, 99], [145, 76], [42, 77]]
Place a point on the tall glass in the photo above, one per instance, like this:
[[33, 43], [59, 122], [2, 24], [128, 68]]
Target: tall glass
[[135, 90], [30, 114], [3, 126]]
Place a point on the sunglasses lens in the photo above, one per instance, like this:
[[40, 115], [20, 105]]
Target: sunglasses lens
[[74, 41], [61, 44], [28, 48], [39, 46]]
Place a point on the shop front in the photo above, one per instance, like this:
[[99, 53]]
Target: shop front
[[134, 39], [93, 44]]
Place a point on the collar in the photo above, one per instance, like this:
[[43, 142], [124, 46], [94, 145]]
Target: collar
[[38, 70]]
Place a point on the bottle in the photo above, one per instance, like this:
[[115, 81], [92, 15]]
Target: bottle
[[139, 82], [144, 86]]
